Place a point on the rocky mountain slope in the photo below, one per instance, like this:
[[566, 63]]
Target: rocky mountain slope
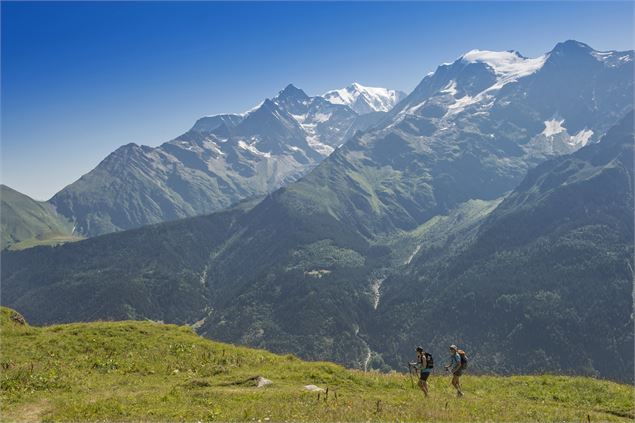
[[220, 161]]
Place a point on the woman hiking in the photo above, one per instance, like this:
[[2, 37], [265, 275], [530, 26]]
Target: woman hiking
[[457, 366]]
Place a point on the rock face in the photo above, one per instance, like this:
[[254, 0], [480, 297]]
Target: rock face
[[261, 382], [17, 318], [220, 161]]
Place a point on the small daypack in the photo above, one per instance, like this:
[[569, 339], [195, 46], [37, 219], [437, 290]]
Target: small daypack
[[429, 360], [463, 358]]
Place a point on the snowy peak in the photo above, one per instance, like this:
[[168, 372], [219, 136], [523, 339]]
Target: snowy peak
[[365, 99], [507, 65]]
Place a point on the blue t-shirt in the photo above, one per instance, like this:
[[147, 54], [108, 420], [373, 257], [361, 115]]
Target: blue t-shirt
[[455, 360]]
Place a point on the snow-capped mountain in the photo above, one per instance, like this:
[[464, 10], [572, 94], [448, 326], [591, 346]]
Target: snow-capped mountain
[[365, 99], [552, 104], [221, 160], [506, 111]]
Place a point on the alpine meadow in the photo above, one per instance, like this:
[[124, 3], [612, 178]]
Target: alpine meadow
[[455, 247]]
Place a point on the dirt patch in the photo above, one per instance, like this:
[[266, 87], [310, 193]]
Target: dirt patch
[[31, 412]]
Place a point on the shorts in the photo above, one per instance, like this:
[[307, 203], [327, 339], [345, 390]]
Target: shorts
[[424, 376], [458, 373]]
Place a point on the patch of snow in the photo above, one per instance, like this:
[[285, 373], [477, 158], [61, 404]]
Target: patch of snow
[[321, 117], [450, 88], [252, 149], [213, 146], [553, 127], [313, 388], [299, 118], [610, 58], [312, 138], [461, 104], [581, 138]]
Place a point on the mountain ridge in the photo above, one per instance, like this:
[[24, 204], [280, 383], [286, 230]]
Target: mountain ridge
[[220, 161]]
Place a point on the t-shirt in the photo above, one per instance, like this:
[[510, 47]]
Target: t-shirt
[[455, 360]]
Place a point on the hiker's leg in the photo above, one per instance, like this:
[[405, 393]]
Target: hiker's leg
[[458, 385], [423, 386], [455, 382]]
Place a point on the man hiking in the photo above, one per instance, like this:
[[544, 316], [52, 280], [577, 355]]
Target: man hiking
[[424, 364], [457, 365]]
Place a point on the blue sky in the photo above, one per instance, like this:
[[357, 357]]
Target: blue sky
[[81, 79]]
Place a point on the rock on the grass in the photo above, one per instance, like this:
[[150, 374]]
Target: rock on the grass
[[313, 388], [262, 382]]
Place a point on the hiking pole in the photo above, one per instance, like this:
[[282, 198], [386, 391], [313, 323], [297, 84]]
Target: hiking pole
[[412, 383]]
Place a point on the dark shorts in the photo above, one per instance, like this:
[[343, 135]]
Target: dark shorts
[[458, 373], [424, 376]]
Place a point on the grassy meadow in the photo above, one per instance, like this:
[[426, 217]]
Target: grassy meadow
[[146, 371]]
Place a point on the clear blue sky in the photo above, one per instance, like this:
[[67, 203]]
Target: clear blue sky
[[81, 79]]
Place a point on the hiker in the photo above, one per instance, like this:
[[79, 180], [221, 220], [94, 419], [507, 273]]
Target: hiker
[[458, 362], [424, 364]]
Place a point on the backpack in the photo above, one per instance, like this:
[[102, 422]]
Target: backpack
[[429, 360], [463, 358]]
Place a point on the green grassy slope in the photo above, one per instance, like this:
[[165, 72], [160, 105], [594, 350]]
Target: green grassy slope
[[131, 371], [26, 223]]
